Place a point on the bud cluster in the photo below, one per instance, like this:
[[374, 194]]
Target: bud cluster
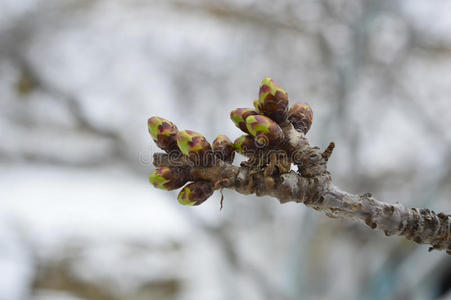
[[197, 149], [262, 125]]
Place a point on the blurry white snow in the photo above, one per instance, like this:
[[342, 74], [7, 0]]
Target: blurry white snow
[[16, 263], [54, 295], [54, 203], [431, 18], [108, 213], [12, 10]]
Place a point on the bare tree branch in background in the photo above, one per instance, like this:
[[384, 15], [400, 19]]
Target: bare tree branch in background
[[276, 139]]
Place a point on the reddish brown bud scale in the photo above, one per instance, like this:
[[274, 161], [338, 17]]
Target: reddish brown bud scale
[[301, 116], [273, 101], [239, 116], [195, 193], [256, 105], [265, 130], [168, 179], [246, 145], [196, 147], [163, 133], [223, 148]]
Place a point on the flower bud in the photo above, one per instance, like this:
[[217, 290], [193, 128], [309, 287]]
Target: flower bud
[[246, 145], [239, 116], [163, 133], [256, 105], [301, 116], [273, 101], [195, 146], [168, 179], [195, 193], [223, 148], [265, 130]]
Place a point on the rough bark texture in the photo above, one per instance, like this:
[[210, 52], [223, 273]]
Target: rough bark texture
[[271, 175]]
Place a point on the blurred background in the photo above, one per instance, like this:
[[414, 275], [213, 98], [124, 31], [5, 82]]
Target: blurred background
[[79, 79]]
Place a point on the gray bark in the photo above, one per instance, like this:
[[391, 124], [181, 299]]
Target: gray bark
[[312, 185]]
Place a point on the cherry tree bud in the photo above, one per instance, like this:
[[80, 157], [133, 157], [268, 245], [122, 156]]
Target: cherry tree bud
[[256, 105], [195, 146], [273, 101], [301, 116], [239, 116], [163, 133], [195, 193], [246, 145], [223, 148], [265, 130], [168, 179]]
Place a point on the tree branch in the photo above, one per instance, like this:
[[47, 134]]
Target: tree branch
[[312, 185]]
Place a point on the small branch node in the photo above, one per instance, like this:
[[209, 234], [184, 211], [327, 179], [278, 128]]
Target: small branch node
[[328, 152]]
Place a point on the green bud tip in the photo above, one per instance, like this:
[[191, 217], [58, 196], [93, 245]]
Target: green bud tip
[[256, 105], [185, 195], [244, 144], [168, 178], [273, 101], [157, 178], [191, 142], [195, 193], [258, 124], [238, 144], [161, 127], [239, 116], [268, 87], [265, 130], [222, 138]]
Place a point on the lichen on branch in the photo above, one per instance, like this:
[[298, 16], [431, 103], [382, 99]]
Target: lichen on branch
[[274, 141]]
